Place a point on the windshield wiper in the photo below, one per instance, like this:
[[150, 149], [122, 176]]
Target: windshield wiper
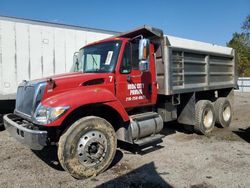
[[94, 61]]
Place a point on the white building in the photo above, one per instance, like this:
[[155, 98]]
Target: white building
[[33, 49]]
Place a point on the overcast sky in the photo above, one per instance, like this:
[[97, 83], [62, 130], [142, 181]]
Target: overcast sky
[[211, 21]]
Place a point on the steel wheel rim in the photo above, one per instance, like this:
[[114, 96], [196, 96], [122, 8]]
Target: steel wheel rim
[[226, 113], [92, 148], [208, 118]]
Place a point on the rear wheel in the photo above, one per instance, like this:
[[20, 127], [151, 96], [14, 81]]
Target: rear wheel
[[88, 147], [223, 111], [204, 117]]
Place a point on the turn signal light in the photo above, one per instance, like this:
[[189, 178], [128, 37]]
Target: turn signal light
[[51, 84]]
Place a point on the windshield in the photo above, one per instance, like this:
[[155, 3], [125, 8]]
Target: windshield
[[97, 58]]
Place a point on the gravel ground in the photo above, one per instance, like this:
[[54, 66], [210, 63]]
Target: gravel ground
[[183, 159]]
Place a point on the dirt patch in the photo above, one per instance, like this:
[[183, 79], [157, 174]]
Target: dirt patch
[[183, 159], [121, 168], [202, 185]]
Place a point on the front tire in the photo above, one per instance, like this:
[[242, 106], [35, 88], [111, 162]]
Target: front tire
[[88, 147], [204, 117]]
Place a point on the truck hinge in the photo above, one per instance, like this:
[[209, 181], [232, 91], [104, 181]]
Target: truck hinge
[[176, 99]]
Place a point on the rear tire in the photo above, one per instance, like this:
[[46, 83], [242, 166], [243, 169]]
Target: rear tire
[[88, 147], [223, 111], [204, 117]]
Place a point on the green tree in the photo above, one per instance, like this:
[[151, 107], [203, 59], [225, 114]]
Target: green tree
[[246, 24], [241, 43]]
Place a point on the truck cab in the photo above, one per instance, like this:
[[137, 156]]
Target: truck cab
[[117, 60], [93, 105]]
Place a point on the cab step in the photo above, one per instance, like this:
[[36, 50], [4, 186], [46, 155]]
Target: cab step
[[144, 145], [149, 141]]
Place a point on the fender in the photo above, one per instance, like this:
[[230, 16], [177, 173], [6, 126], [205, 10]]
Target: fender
[[80, 97]]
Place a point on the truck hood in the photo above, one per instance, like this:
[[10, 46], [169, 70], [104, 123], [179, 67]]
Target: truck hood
[[65, 75], [76, 77], [71, 81], [57, 77]]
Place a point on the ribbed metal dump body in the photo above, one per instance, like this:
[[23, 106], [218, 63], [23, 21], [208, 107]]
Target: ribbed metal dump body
[[186, 65]]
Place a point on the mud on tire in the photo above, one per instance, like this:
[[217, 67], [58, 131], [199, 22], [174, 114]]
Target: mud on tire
[[88, 147]]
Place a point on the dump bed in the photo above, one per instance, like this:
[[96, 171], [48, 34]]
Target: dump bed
[[186, 65]]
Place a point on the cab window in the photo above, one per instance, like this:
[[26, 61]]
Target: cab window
[[135, 55], [126, 60], [130, 59]]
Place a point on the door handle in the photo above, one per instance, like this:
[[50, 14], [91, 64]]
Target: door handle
[[129, 78]]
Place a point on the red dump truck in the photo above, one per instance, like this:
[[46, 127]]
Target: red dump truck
[[124, 88]]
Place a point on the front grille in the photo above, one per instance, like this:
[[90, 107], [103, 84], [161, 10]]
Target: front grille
[[28, 97], [24, 99]]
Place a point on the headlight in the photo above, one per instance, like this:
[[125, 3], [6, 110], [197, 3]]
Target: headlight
[[44, 115]]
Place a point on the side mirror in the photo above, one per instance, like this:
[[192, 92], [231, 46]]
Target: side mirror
[[144, 55], [76, 61]]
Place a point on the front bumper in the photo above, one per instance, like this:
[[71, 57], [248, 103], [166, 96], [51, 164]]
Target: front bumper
[[24, 132]]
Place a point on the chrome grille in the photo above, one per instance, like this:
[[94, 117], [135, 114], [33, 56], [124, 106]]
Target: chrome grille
[[24, 100], [28, 97]]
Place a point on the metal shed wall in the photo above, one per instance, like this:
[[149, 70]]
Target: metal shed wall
[[33, 49]]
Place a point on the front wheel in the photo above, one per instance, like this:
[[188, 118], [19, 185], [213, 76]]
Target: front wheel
[[88, 147]]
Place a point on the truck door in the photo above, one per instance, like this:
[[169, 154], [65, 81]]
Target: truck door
[[135, 88]]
